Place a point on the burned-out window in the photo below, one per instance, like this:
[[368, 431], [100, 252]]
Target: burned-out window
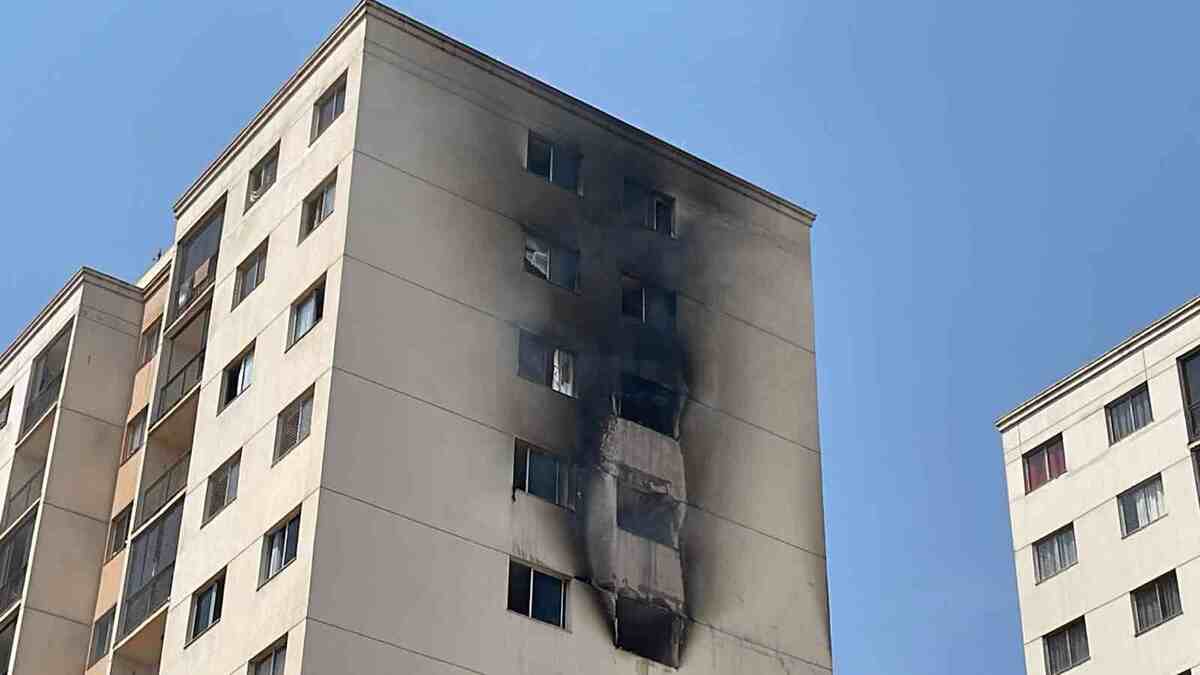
[[650, 515], [649, 209], [542, 473], [647, 304], [536, 594], [558, 265], [539, 361], [649, 404], [552, 161], [647, 630]]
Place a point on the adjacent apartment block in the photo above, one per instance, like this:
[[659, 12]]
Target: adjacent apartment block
[[446, 372], [1103, 482]]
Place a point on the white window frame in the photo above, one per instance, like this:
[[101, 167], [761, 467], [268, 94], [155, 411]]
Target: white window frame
[[256, 262], [314, 212], [303, 423], [231, 469], [268, 569], [216, 586]]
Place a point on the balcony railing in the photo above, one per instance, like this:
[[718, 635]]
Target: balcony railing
[[10, 590], [144, 601], [14, 552], [179, 385], [22, 498], [40, 403], [191, 287], [162, 490]]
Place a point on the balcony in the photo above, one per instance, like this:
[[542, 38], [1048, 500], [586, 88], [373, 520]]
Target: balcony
[[160, 492], [194, 285], [146, 600], [21, 499], [40, 402], [14, 559], [180, 384]]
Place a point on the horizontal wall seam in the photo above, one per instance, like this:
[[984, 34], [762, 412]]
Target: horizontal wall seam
[[27, 606], [74, 512], [119, 427], [394, 645]]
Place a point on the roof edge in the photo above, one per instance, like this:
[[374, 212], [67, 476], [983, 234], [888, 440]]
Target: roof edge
[[1156, 329], [77, 280]]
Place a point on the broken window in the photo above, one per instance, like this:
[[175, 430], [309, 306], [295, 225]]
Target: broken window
[[648, 515], [542, 473], [553, 162], [647, 630], [555, 264], [238, 376], [647, 304], [538, 362], [536, 594], [649, 404]]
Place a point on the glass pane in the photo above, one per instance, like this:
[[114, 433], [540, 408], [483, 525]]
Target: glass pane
[[1191, 375], [564, 372], [232, 480], [305, 425], [1056, 460], [1035, 470], [1129, 512], [293, 538], [564, 268], [520, 459], [547, 598], [1146, 607], [537, 257], [204, 607], [1066, 548], [1141, 409], [263, 667], [279, 660], [533, 361], [518, 587], [1058, 652], [1077, 634], [538, 160], [1046, 558], [543, 475]]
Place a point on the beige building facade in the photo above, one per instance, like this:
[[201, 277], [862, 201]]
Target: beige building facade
[[1103, 493], [446, 372]]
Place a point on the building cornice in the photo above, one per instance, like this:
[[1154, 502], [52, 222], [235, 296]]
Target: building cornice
[[84, 275], [1130, 345], [507, 73]]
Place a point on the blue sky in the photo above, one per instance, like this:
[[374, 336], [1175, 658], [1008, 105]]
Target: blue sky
[[1003, 191]]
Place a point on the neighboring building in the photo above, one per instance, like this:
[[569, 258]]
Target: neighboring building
[[1108, 583], [446, 372]]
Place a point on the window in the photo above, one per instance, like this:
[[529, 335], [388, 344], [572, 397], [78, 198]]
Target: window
[[307, 312], [647, 304], [250, 274], [135, 435], [1128, 414], [206, 606], [1054, 553], [150, 342], [271, 662], [294, 424], [1142, 505], [101, 636], [1189, 375], [279, 548], [196, 264], [649, 209], [5, 405], [262, 176], [557, 265], [238, 377], [118, 531], [542, 473], [553, 162], [318, 206], [1156, 602], [150, 566], [222, 486], [1066, 647], [645, 514], [329, 107], [1044, 464], [648, 404], [536, 594], [538, 362]]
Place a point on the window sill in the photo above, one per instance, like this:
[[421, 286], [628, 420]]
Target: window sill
[[201, 634], [538, 621], [284, 453], [226, 404], [251, 202], [282, 569], [1071, 667], [1138, 633], [540, 498], [131, 455], [1041, 581], [208, 519], [1029, 491], [1126, 535], [294, 341]]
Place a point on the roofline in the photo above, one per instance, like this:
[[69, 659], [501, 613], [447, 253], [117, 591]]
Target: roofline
[[499, 69], [1140, 339], [74, 283]]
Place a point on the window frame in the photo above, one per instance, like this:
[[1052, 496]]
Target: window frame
[[140, 422], [553, 251], [1043, 449], [270, 653], [308, 395], [110, 548], [109, 616], [335, 91], [6, 407], [657, 198], [534, 571], [557, 152], [228, 469], [1064, 630], [312, 215], [283, 527], [522, 473], [1127, 399], [257, 260], [553, 356], [1156, 584], [149, 343], [1053, 538], [217, 586], [1125, 531], [257, 170], [316, 292], [244, 375]]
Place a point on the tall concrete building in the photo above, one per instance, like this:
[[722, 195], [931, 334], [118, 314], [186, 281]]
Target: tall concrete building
[[445, 372], [1108, 583]]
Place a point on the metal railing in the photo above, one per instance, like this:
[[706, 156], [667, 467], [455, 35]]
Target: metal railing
[[166, 486], [179, 385], [40, 403], [22, 498], [144, 601], [10, 590]]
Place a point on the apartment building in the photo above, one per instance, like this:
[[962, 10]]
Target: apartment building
[[446, 372], [1103, 472]]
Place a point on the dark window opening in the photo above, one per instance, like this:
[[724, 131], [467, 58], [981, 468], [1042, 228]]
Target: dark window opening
[[648, 404], [329, 107], [101, 637], [552, 162], [262, 176], [1066, 647], [1128, 414], [538, 362], [645, 514], [536, 594], [1156, 602], [118, 531], [555, 264], [648, 631], [541, 473]]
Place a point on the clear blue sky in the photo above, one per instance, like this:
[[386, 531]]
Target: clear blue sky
[[1004, 190]]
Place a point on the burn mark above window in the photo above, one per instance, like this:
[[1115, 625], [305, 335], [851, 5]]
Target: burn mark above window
[[648, 304], [556, 264], [649, 404], [552, 161]]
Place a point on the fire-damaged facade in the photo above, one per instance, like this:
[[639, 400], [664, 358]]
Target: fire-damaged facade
[[446, 371]]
